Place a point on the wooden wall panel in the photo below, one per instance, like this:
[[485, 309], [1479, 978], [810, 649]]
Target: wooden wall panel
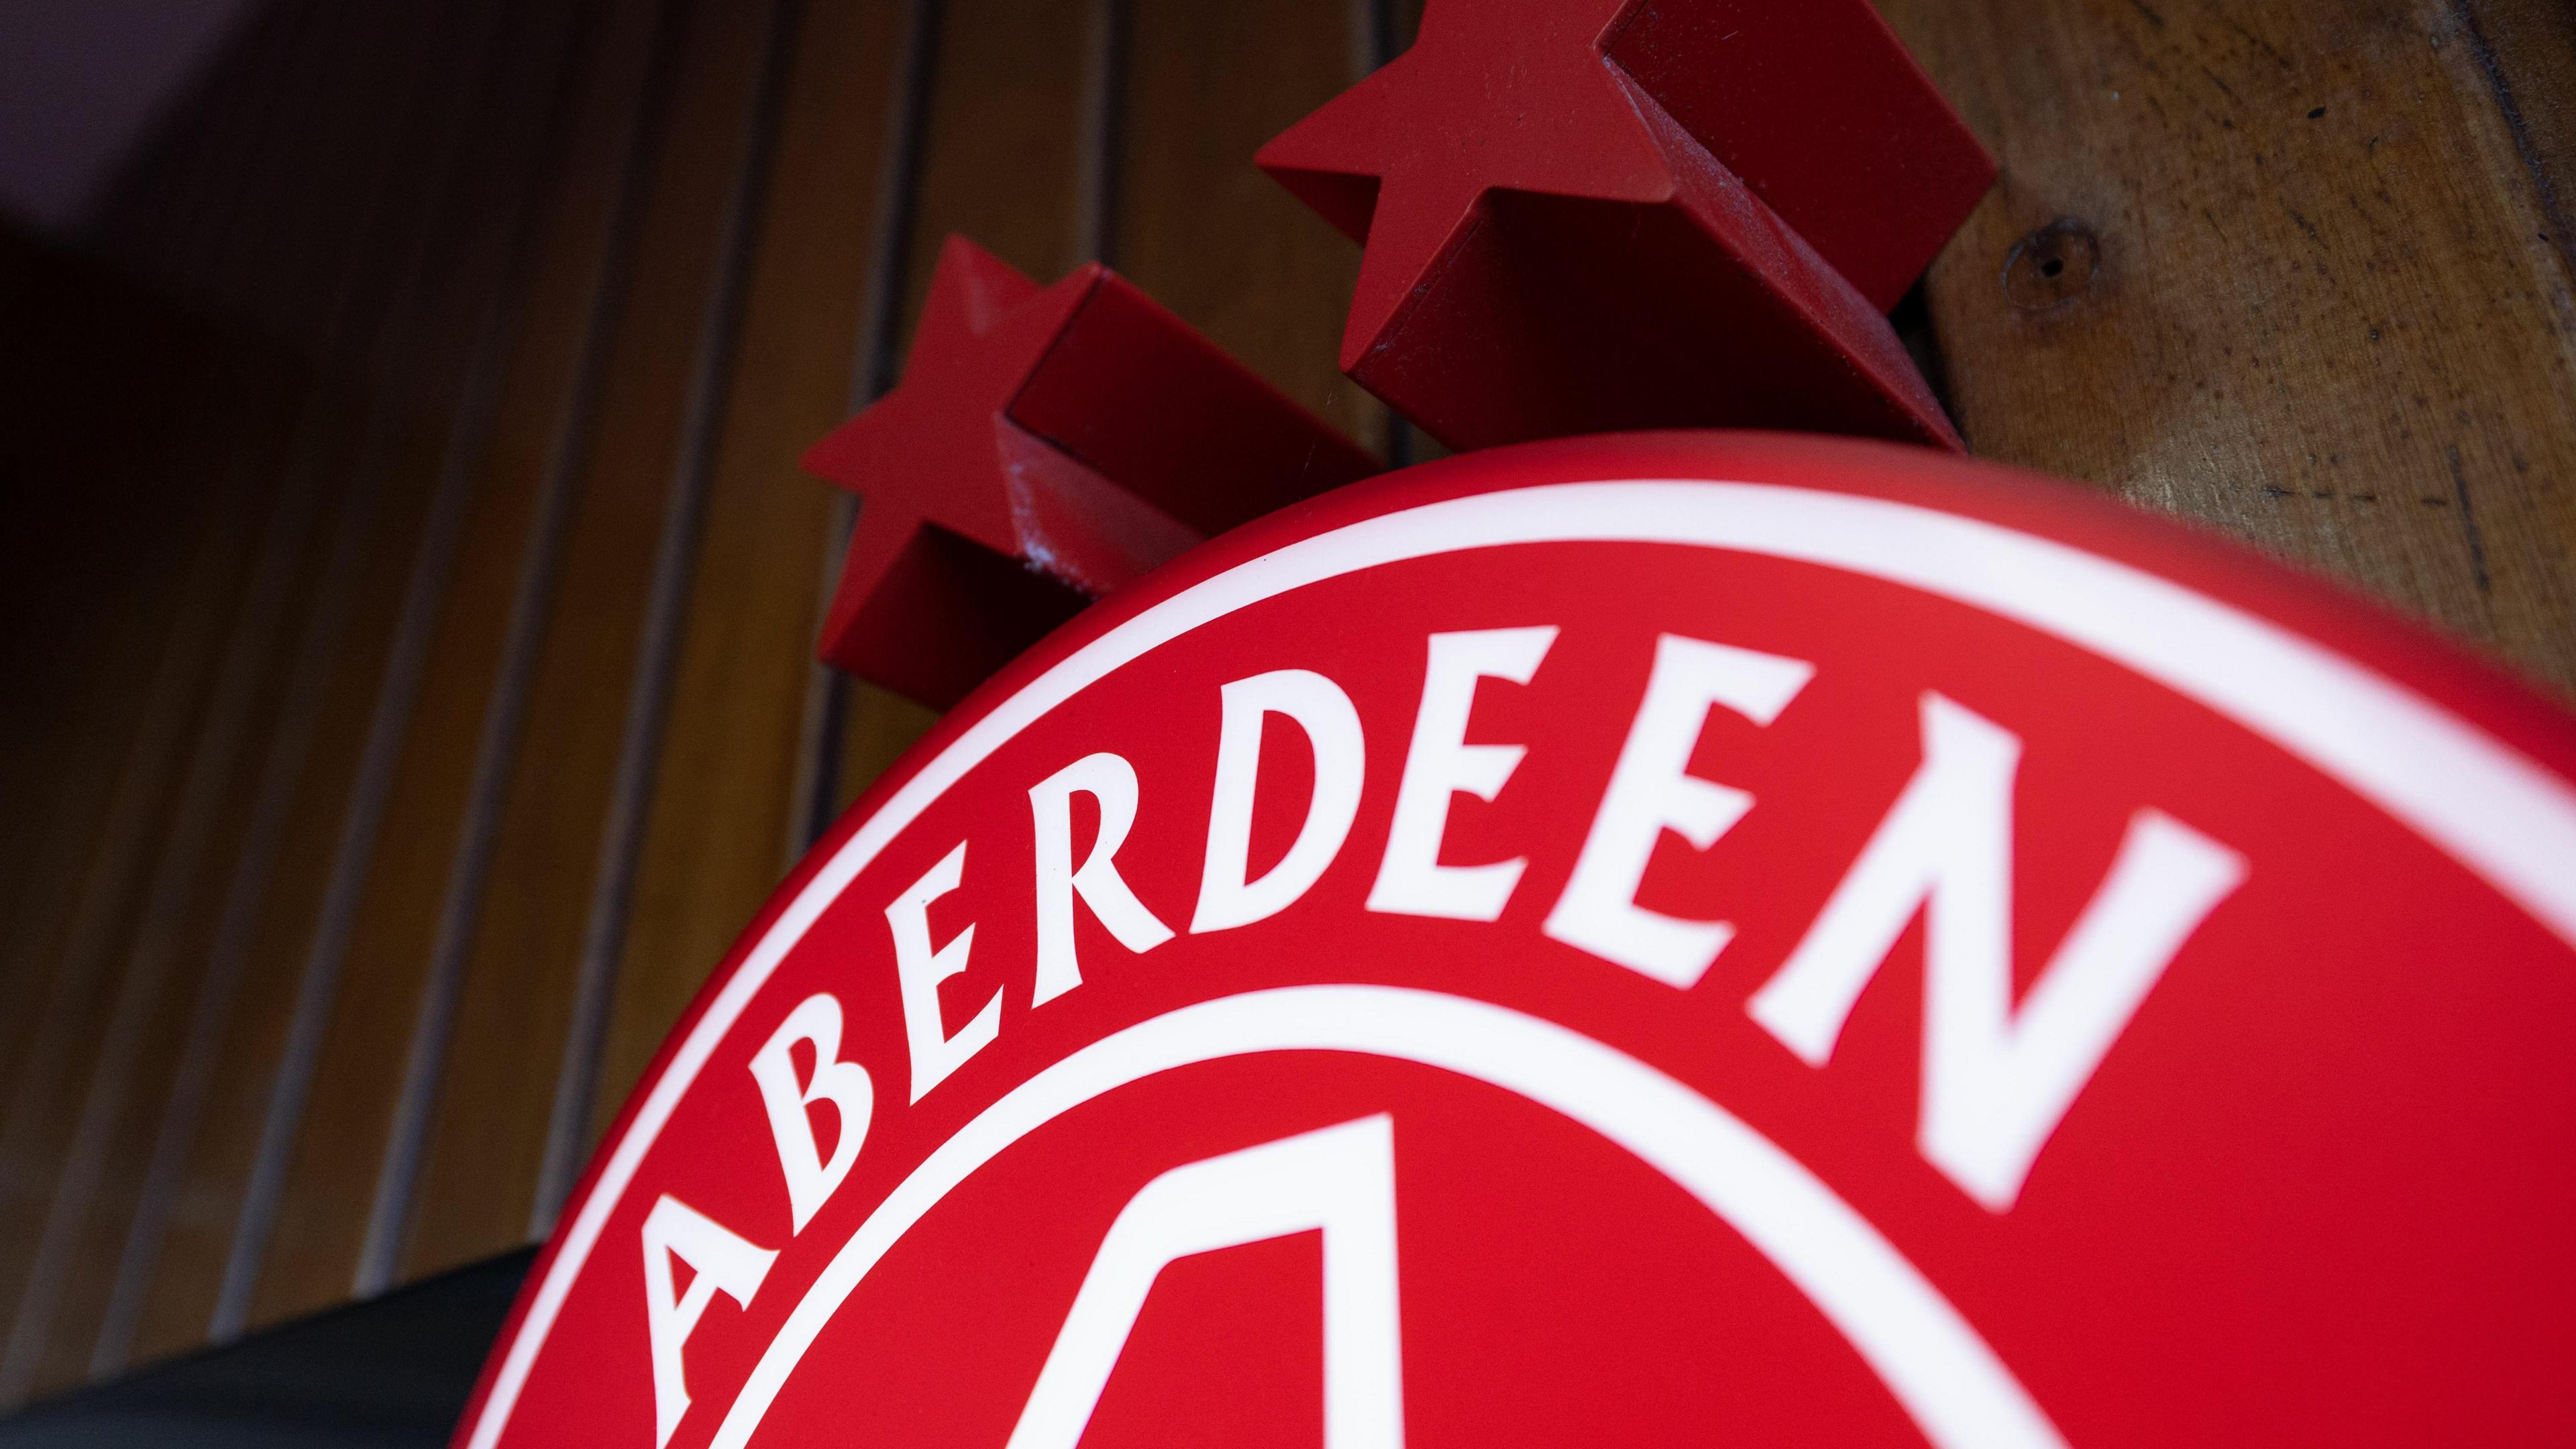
[[134, 1052], [1002, 159], [87, 725], [69, 1012], [542, 357], [2311, 285], [341, 187], [100, 625], [317, 1215], [482, 1169], [725, 791], [260, 454], [114, 639], [881, 726], [328, 661], [1201, 228], [340, 1147], [283, 909], [1013, 97], [116, 1097], [343, 706], [2529, 54], [2306, 287]]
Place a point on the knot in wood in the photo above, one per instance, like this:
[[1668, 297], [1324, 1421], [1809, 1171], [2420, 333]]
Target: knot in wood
[[2052, 266]]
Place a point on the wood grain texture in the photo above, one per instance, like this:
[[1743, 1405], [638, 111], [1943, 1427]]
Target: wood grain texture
[[499, 1084], [1206, 232], [152, 413], [2529, 54], [203, 1227], [2299, 270], [342, 1138], [881, 726], [724, 789], [91, 722], [385, 534], [1001, 162], [120, 1104], [363, 1058], [2288, 269], [402, 346], [160, 967], [400, 508], [112, 637]]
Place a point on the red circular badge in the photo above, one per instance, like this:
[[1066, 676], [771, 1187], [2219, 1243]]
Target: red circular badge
[[1642, 940]]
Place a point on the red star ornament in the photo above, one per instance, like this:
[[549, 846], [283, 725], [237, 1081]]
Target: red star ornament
[[1046, 445], [1590, 215]]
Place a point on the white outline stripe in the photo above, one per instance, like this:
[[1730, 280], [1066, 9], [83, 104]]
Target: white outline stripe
[[1935, 1363], [2497, 812]]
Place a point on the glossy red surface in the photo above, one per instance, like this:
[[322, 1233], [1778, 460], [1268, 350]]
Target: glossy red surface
[[1618, 215], [2311, 1185], [1047, 445]]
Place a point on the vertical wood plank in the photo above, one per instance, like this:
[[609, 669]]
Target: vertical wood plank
[[1007, 175], [841, 714], [67, 960], [483, 1164], [126, 1060], [128, 1055], [2528, 55], [2281, 268], [446, 322], [154, 415], [311, 765], [1205, 231], [364, 156], [243, 459], [107, 633], [339, 190], [661, 632], [89, 725], [411, 370], [881, 725], [427, 922], [362, 1059], [725, 786], [363, 709]]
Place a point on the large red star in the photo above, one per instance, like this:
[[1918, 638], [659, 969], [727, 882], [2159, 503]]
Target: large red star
[[1047, 444], [1592, 214]]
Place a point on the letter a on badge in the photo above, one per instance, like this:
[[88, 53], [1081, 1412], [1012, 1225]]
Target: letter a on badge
[[721, 1261]]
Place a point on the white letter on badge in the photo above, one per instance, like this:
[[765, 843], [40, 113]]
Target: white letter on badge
[[1340, 1180], [1110, 780], [1652, 791], [1440, 763], [816, 1021], [1332, 730], [1996, 1081], [720, 1261], [919, 970]]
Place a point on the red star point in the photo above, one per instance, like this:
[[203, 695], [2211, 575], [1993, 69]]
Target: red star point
[[1046, 445], [1583, 215]]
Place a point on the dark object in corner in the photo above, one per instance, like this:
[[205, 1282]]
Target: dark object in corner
[[391, 1371]]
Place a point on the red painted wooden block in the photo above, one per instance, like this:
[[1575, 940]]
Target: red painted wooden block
[[1047, 445], [1583, 215]]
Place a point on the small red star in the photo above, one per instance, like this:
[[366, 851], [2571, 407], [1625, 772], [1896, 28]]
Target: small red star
[[1047, 445], [1592, 214]]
